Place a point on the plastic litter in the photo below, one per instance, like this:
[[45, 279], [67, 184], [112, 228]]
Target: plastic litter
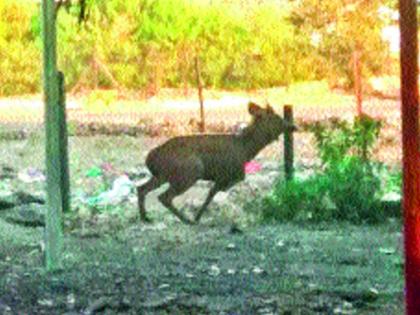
[[392, 196], [252, 167], [31, 175], [94, 172], [121, 189]]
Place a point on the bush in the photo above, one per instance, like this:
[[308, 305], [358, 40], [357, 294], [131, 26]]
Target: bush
[[335, 139], [349, 185], [349, 191], [354, 187], [298, 200]]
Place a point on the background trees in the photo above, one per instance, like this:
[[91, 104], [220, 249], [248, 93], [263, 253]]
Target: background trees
[[140, 44]]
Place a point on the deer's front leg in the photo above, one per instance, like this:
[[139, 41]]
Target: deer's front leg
[[213, 191], [218, 186]]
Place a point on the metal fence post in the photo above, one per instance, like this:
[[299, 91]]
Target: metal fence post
[[53, 221], [202, 123], [288, 142], [64, 161]]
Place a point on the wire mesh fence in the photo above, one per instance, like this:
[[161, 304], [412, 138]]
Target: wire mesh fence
[[115, 128], [148, 121]]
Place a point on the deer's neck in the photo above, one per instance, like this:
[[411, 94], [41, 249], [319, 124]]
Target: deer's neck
[[253, 141]]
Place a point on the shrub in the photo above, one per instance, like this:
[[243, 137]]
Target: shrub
[[348, 187], [355, 188], [349, 191], [297, 200], [335, 138]]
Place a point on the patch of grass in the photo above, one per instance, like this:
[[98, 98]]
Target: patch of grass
[[312, 94]]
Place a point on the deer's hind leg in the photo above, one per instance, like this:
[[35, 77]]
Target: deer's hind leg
[[142, 191], [183, 176]]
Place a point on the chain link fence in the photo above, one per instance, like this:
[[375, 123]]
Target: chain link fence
[[113, 130]]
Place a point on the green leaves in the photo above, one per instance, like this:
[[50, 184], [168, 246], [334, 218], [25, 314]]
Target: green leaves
[[344, 27], [335, 138], [348, 187]]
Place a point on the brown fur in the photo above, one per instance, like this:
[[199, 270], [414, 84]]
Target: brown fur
[[220, 158]]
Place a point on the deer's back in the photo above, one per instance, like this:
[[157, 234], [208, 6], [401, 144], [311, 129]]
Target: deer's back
[[220, 156]]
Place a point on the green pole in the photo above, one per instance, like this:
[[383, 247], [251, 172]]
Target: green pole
[[53, 229]]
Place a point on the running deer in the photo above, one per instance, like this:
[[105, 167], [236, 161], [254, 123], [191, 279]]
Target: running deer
[[182, 161]]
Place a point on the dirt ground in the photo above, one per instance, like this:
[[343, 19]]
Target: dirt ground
[[170, 268]]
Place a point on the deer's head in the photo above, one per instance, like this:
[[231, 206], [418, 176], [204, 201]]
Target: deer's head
[[266, 122]]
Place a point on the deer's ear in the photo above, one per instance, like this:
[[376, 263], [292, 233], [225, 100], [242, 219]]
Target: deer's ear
[[269, 109], [254, 109]]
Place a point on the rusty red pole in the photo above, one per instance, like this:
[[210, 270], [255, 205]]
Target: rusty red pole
[[410, 137]]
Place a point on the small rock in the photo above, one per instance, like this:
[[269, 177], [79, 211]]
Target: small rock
[[214, 270], [280, 243], [231, 246], [257, 270], [4, 308], [70, 300], [31, 175], [221, 198], [373, 291]]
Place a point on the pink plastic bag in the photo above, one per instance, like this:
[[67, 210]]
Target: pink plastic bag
[[252, 167]]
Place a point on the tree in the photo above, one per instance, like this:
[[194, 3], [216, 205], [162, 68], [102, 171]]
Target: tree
[[340, 30]]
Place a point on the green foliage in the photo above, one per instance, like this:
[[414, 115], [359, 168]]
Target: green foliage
[[296, 200], [348, 187], [336, 138], [349, 191], [20, 73], [342, 28], [153, 43], [394, 181], [354, 188]]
